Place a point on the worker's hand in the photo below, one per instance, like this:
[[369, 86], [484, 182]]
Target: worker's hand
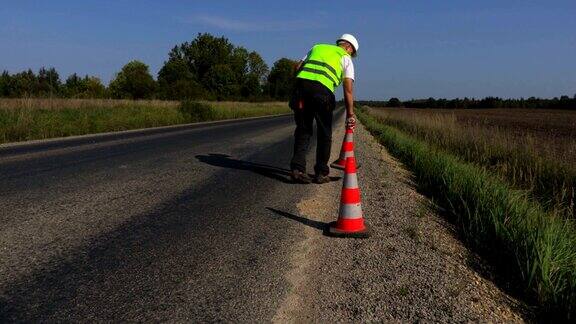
[[351, 122]]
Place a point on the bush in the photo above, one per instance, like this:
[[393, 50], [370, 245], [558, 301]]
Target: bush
[[194, 111], [133, 82]]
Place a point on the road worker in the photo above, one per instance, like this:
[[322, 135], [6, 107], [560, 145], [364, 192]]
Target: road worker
[[319, 73]]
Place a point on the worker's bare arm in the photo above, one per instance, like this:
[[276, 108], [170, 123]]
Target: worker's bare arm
[[348, 85]]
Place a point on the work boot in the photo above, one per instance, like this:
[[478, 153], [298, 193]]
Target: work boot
[[300, 177], [321, 178]]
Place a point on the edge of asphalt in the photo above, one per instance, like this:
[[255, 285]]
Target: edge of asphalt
[[59, 142], [321, 201]]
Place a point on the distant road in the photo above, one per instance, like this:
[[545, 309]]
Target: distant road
[[167, 225]]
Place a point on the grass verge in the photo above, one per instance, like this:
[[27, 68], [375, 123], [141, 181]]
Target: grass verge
[[41, 118], [538, 249]]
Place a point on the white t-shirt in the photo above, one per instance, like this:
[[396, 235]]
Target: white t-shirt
[[347, 66]]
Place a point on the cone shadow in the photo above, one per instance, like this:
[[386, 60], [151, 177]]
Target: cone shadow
[[308, 222]]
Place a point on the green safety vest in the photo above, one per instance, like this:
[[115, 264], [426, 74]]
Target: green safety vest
[[323, 64]]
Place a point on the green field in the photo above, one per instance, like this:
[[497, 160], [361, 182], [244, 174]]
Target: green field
[[501, 191], [31, 119]]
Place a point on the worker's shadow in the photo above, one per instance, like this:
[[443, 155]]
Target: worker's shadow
[[225, 161], [322, 226]]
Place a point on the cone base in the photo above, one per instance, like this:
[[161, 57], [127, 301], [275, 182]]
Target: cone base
[[336, 165], [331, 230]]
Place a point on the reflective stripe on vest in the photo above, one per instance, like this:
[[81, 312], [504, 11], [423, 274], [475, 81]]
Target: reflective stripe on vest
[[324, 64]]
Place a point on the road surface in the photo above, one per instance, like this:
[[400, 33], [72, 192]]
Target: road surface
[[200, 223], [183, 224]]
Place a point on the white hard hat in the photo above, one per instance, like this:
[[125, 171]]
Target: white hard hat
[[350, 39]]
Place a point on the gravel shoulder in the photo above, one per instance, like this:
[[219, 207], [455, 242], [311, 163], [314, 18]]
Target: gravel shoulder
[[412, 268]]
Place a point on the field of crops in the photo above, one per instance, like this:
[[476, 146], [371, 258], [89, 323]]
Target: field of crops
[[508, 179], [29, 119], [549, 132], [533, 150]]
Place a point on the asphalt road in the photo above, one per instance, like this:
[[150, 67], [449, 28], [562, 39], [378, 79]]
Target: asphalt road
[[177, 225]]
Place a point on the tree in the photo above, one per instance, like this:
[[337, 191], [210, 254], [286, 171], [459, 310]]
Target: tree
[[133, 82], [72, 86], [201, 56], [257, 67], [87, 87], [93, 88], [394, 102], [256, 76], [24, 84], [5, 84], [48, 83], [252, 87], [221, 80], [431, 103], [204, 52], [239, 64], [174, 70], [211, 66], [281, 79], [176, 81]]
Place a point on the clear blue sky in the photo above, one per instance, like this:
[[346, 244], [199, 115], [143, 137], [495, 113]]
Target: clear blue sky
[[409, 48]]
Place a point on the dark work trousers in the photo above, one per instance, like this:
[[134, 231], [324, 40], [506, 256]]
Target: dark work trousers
[[312, 101]]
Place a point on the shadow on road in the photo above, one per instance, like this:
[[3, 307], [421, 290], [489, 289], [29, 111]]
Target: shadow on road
[[308, 222], [226, 161], [272, 172]]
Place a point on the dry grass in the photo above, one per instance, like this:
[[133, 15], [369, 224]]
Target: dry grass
[[551, 133], [29, 119], [57, 103], [243, 105], [534, 150]]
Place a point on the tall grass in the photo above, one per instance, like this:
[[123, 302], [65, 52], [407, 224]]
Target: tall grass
[[28, 119], [236, 109], [60, 103], [524, 162], [535, 246]]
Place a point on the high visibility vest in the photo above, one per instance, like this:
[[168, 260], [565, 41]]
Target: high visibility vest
[[324, 65]]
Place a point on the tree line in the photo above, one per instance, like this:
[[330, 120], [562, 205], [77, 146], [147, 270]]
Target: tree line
[[564, 102], [208, 68]]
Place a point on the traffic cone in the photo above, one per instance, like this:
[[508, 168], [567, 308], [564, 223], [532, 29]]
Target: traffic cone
[[346, 151], [350, 221]]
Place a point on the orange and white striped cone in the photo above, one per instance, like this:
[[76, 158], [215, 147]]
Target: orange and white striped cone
[[350, 221], [346, 151]]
